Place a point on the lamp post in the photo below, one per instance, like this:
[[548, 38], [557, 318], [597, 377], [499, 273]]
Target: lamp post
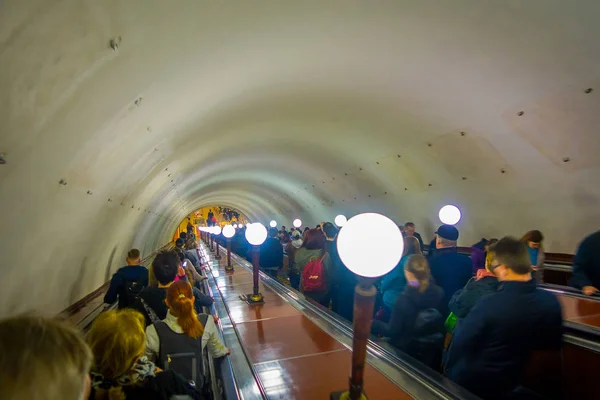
[[370, 245], [228, 232], [256, 235], [212, 238], [217, 231]]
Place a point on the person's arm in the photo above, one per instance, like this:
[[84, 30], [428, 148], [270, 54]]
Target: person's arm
[[152, 343], [216, 347], [581, 264], [113, 290], [462, 301], [201, 300], [468, 333]]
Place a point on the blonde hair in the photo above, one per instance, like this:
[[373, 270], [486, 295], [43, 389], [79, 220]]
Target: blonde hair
[[42, 359], [418, 266], [117, 340], [180, 299], [489, 258]]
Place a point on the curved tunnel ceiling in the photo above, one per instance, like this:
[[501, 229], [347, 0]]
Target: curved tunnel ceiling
[[283, 110]]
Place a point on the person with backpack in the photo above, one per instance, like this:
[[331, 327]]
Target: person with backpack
[[271, 254], [291, 249], [121, 370], [128, 282], [416, 326], [178, 341], [313, 265]]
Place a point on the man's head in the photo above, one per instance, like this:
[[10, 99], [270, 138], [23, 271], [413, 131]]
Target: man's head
[[409, 229], [133, 257], [183, 236], [273, 232], [42, 359], [179, 243], [510, 260], [330, 231], [165, 266], [283, 228], [446, 237]]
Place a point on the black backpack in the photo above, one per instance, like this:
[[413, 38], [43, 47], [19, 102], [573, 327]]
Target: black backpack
[[132, 293], [181, 353]]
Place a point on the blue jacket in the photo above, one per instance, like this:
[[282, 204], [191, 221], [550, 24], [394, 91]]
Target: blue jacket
[[392, 284], [131, 273], [586, 264], [492, 344], [451, 272]]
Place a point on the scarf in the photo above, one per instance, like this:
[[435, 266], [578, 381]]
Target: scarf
[[142, 369]]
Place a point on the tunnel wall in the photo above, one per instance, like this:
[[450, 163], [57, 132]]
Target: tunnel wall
[[118, 118]]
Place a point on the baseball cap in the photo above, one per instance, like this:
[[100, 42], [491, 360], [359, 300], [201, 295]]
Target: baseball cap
[[447, 232]]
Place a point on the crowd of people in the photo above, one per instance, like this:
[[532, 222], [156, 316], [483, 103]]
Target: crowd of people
[[476, 319]]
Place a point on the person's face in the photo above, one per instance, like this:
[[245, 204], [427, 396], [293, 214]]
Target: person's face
[[438, 243], [534, 245], [498, 269], [409, 230]]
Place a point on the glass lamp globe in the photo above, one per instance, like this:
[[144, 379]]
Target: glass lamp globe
[[370, 245], [449, 215], [273, 224], [297, 223], [256, 234], [228, 231], [340, 220], [217, 230]]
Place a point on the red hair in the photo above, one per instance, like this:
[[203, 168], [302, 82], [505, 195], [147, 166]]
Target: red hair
[[180, 300], [314, 240]]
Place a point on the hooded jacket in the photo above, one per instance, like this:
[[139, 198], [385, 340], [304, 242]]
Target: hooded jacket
[[464, 299]]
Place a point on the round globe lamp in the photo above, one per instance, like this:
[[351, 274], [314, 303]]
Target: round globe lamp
[[449, 214], [256, 234], [228, 232], [340, 220], [273, 224], [297, 223], [370, 245]]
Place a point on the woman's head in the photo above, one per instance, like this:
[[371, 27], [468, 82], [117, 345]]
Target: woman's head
[[416, 270], [314, 240], [533, 239], [411, 246], [117, 340], [490, 257], [180, 300], [42, 359]]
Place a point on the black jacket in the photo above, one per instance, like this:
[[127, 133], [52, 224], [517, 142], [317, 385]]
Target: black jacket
[[586, 265], [451, 271], [402, 326], [131, 273], [492, 344], [155, 297], [271, 254], [163, 386], [464, 299]]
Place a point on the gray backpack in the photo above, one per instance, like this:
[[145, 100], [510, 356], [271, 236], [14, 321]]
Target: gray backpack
[[181, 353]]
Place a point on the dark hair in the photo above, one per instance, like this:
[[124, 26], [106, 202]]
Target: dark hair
[[330, 230], [314, 240], [183, 235], [409, 224], [533, 236], [165, 266], [418, 266], [306, 229], [273, 232], [179, 242], [133, 254], [513, 254], [180, 254], [411, 246]]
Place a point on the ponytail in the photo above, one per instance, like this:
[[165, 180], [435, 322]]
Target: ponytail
[[181, 304], [417, 265]]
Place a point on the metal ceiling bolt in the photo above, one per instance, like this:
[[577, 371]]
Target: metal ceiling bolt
[[2, 159], [589, 90], [114, 43], [566, 159], [520, 113], [62, 182], [89, 192], [138, 101]]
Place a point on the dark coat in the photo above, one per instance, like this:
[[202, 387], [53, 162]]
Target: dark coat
[[492, 344], [464, 299], [586, 264], [271, 254], [163, 386], [401, 328], [451, 271], [133, 273]]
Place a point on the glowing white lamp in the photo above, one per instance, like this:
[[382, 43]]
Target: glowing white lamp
[[217, 230], [240, 225], [340, 220], [273, 224], [297, 223], [449, 215], [256, 234], [370, 245], [228, 231]]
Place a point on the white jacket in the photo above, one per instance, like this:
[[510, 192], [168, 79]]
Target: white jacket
[[210, 338]]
